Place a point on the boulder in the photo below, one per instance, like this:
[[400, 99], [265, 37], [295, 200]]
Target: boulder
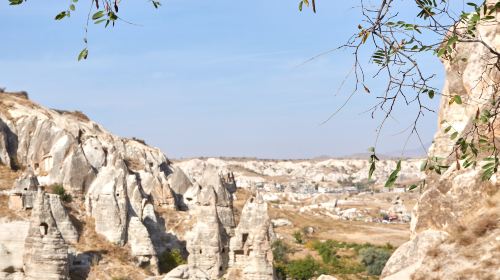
[[281, 222], [412, 253], [326, 277]]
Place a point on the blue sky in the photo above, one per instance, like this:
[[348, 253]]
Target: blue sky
[[205, 78]]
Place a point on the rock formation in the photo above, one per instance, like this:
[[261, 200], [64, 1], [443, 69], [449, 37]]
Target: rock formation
[[119, 179], [208, 242], [251, 255], [455, 225], [200, 192], [46, 252], [12, 237]]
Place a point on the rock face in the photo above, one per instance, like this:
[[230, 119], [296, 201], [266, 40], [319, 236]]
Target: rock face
[[201, 193], [118, 178], [207, 242], [46, 252], [216, 247], [455, 225], [413, 252], [12, 236], [251, 255]]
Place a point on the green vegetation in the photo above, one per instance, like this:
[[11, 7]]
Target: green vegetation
[[374, 259], [280, 251], [303, 269], [59, 190], [327, 252], [336, 258], [299, 238], [170, 260]]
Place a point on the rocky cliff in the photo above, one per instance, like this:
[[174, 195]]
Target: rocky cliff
[[455, 225], [116, 177], [113, 198]]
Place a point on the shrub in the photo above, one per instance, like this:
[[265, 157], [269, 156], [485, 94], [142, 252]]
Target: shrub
[[170, 260], [299, 238], [59, 190], [280, 270], [303, 269], [374, 259], [326, 250], [280, 251]]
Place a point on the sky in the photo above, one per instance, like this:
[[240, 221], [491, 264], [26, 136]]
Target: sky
[[206, 78]]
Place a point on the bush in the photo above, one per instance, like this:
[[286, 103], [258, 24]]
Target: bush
[[170, 260], [327, 251], [299, 238], [280, 270], [374, 259], [59, 190], [280, 251], [303, 269]]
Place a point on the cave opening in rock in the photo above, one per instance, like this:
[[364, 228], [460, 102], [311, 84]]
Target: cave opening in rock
[[44, 228]]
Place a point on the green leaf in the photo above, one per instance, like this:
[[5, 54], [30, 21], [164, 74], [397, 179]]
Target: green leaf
[[300, 5], [72, 7], [83, 54], [457, 99], [99, 21], [453, 39], [98, 15], [454, 135], [447, 129], [156, 4], [394, 175], [431, 94], [412, 187], [15, 2], [441, 52], [372, 169], [423, 166], [60, 15]]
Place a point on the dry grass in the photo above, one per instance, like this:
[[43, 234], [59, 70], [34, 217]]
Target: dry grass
[[133, 164], [465, 236], [7, 177], [114, 261], [79, 115]]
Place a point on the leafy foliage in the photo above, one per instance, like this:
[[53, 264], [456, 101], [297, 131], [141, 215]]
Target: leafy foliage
[[299, 237], [327, 251], [59, 190], [169, 260], [280, 251], [374, 259], [303, 269]]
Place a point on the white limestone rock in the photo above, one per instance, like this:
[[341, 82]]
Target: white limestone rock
[[46, 252], [413, 252], [207, 242], [12, 236], [251, 254]]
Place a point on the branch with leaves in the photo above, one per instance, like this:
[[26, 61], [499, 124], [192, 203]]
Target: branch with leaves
[[100, 11], [397, 44]]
